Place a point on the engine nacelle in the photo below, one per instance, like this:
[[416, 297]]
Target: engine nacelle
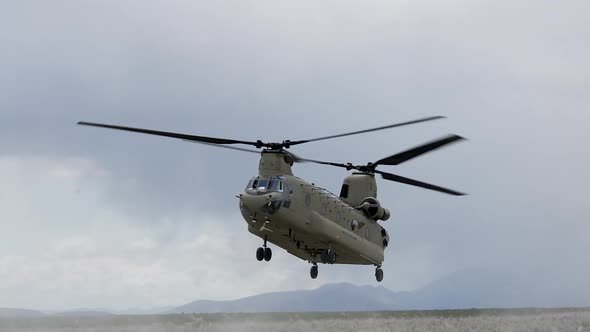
[[372, 209]]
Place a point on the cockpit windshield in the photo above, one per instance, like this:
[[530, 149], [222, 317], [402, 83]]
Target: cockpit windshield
[[262, 184], [265, 185], [275, 185]]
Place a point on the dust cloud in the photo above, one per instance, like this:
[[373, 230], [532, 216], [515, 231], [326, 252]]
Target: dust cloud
[[444, 320]]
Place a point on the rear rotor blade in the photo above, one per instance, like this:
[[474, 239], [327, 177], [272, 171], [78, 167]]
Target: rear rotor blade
[[203, 139], [416, 183], [401, 157], [367, 130]]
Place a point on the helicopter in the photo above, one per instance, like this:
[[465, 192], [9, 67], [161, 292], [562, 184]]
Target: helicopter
[[306, 220]]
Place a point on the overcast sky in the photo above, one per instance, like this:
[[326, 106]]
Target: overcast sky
[[96, 218]]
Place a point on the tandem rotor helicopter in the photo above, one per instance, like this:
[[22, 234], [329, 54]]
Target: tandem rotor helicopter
[[310, 222]]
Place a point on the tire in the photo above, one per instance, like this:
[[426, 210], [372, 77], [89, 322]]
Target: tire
[[379, 275], [332, 256], [267, 254], [324, 257], [260, 254], [313, 273]]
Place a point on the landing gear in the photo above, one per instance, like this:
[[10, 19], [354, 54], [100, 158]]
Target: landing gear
[[313, 273], [332, 256], [379, 274], [264, 252], [328, 256], [324, 256]]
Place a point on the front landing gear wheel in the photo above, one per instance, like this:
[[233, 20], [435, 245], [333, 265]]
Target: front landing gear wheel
[[260, 254], [267, 254], [379, 274], [313, 273]]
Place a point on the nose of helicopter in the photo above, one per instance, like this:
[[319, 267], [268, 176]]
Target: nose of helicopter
[[254, 202]]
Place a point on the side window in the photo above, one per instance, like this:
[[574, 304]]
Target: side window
[[285, 188], [287, 197], [252, 184], [344, 191]]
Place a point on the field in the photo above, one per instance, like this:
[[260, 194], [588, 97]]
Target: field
[[441, 320]]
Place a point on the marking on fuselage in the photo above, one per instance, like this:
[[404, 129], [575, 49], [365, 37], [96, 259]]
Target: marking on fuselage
[[263, 228]]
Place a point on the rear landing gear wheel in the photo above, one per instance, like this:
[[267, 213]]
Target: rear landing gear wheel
[[313, 273], [332, 256], [324, 257], [267, 254], [379, 274], [260, 254]]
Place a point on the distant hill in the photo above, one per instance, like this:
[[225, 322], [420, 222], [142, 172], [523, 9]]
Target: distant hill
[[329, 298], [480, 288], [468, 289], [82, 313], [477, 288], [143, 311], [18, 313]]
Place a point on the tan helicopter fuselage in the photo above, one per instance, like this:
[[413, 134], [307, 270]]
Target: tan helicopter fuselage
[[305, 219]]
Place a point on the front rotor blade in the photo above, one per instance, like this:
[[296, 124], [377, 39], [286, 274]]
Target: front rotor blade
[[298, 159], [367, 130], [227, 147], [401, 157], [204, 139], [416, 183]]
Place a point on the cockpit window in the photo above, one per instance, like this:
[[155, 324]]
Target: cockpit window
[[262, 184], [272, 184], [275, 185], [252, 184]]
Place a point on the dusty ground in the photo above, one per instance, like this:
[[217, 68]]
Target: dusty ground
[[449, 320]]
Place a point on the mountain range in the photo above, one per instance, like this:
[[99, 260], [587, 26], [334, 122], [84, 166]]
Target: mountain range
[[331, 297], [478, 288], [26, 313], [461, 290]]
